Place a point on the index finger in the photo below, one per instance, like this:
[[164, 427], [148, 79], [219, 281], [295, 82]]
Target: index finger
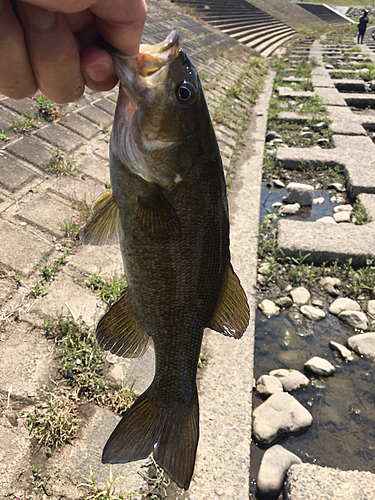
[[121, 23]]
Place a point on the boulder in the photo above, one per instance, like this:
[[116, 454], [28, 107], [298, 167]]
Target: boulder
[[356, 319], [281, 414], [343, 216], [343, 351], [320, 366], [312, 312], [289, 209], [268, 308], [343, 304], [371, 308], [300, 295], [284, 302], [291, 380], [299, 193], [267, 385], [273, 468], [363, 344]]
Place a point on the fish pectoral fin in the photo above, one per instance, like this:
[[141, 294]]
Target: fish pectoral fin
[[104, 226], [157, 217], [171, 433], [121, 332], [232, 313]]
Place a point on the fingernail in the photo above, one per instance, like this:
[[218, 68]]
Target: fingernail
[[38, 18], [98, 71]]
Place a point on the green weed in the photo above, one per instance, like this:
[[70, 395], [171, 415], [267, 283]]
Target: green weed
[[45, 105], [48, 272], [360, 214], [54, 423], [74, 225], [26, 122], [110, 287], [4, 136], [17, 277], [97, 492], [58, 164]]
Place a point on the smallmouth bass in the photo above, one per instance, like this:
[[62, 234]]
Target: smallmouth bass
[[168, 208]]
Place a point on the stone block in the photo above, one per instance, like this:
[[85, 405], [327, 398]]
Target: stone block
[[21, 249], [59, 137], [80, 126], [31, 150], [107, 106], [81, 301], [46, 212], [14, 175], [96, 115], [93, 166]]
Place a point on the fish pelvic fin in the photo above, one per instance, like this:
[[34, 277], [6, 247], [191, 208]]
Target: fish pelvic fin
[[104, 226], [232, 313], [170, 432], [157, 217], [120, 331]]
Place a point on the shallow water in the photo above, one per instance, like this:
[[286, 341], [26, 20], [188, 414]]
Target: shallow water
[[343, 406], [270, 195]]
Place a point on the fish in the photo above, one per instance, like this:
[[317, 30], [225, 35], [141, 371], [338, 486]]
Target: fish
[[168, 209]]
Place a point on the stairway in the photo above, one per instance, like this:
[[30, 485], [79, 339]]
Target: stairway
[[325, 13], [243, 21]]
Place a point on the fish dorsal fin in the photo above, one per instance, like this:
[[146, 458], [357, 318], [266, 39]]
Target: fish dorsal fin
[[157, 217], [120, 331], [232, 314], [104, 226]]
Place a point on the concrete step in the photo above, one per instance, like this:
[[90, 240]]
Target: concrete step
[[325, 13]]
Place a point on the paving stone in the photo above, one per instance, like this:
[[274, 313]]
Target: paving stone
[[291, 117], [61, 138], [92, 258], [341, 241], [13, 175], [31, 150], [344, 121], [96, 115], [107, 106], [81, 301], [21, 249], [21, 106], [46, 212], [331, 96], [93, 166], [36, 352], [359, 100], [80, 126]]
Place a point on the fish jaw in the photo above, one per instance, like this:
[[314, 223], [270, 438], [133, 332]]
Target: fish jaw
[[153, 130]]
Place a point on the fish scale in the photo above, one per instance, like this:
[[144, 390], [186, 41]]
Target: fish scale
[[169, 196]]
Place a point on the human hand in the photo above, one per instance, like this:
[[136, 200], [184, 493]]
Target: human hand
[[50, 45]]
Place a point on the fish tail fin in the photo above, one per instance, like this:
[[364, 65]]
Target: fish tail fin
[[170, 432]]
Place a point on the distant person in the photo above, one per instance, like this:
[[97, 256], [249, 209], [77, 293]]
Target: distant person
[[362, 25]]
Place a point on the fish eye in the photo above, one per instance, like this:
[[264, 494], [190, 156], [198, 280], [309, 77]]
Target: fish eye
[[186, 93]]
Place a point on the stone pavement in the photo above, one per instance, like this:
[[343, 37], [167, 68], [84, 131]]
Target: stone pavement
[[353, 151], [34, 204]]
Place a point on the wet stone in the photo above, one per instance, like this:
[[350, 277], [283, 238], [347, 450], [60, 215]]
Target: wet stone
[[289, 209], [312, 312], [343, 304], [291, 380], [267, 385], [284, 302], [299, 193], [320, 366], [280, 414], [356, 319], [300, 295], [268, 308], [343, 351], [273, 468], [363, 344]]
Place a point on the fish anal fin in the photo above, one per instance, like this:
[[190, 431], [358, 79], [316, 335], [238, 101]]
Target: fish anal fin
[[232, 313], [120, 331], [170, 432], [104, 226], [157, 218]]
